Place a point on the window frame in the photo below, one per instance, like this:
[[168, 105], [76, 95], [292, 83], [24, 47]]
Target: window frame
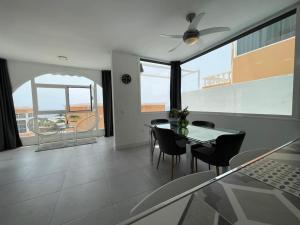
[[91, 98], [66, 88], [293, 10]]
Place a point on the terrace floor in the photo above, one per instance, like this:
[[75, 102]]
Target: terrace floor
[[88, 184]]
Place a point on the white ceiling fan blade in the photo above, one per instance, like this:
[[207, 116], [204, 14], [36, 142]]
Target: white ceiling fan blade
[[213, 30], [173, 49], [170, 36], [194, 24]]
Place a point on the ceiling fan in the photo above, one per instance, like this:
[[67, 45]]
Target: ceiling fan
[[192, 35]]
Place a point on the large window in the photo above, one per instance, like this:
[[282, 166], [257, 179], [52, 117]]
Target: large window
[[61, 99], [23, 107], [155, 87], [252, 75]]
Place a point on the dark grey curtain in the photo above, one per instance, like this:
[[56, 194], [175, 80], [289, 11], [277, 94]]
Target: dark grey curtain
[[175, 85], [107, 103], [9, 135]]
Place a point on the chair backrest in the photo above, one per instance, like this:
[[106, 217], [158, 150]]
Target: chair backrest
[[247, 156], [171, 190], [42, 126], [159, 121], [200, 123], [167, 141], [86, 124], [227, 146]]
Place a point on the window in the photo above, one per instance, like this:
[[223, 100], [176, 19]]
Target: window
[[51, 99], [23, 107], [61, 99], [252, 75], [21, 126], [272, 34], [80, 99], [155, 87]]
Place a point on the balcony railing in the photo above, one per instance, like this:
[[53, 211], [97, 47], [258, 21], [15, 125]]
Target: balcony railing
[[217, 80]]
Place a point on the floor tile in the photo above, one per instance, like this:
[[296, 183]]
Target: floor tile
[[37, 211], [29, 189], [75, 202], [128, 185], [82, 175], [106, 216]]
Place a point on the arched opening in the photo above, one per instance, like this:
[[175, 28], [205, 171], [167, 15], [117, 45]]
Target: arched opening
[[62, 99]]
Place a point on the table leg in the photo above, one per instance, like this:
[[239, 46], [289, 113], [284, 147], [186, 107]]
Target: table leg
[[189, 158]]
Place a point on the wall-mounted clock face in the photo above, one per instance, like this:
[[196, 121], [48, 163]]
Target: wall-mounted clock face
[[126, 78]]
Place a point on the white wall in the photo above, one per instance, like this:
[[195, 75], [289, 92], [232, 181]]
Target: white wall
[[129, 122]]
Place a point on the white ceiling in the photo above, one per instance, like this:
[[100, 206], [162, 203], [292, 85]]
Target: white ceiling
[[86, 31]]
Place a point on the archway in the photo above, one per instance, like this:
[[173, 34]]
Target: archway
[[60, 98]]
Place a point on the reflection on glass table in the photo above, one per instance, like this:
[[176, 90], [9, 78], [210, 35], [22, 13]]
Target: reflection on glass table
[[265, 190]]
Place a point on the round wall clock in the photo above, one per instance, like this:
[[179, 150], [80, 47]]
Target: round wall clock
[[126, 78]]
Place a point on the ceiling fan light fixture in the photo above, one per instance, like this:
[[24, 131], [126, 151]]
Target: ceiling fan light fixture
[[191, 37], [191, 40]]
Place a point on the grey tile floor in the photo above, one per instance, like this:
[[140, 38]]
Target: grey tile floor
[[82, 185]]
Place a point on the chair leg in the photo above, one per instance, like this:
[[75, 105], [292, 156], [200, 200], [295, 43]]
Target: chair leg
[[163, 156], [158, 160], [192, 164], [176, 159], [172, 174], [153, 147], [208, 166], [196, 162], [218, 170]]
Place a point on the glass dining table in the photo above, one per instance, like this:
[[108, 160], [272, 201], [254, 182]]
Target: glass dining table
[[265, 190], [194, 134]]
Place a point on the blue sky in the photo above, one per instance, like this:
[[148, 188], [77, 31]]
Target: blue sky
[[215, 62]]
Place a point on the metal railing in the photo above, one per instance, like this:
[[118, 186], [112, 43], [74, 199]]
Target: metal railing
[[217, 79]]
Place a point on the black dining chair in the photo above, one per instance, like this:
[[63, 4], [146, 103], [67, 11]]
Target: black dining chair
[[219, 155], [205, 124], [170, 143], [200, 123], [156, 122]]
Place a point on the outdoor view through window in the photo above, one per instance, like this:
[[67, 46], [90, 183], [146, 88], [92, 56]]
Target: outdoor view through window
[[252, 75], [155, 87], [60, 99]]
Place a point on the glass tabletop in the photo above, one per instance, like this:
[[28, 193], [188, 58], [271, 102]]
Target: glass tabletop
[[242, 196], [198, 134]]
